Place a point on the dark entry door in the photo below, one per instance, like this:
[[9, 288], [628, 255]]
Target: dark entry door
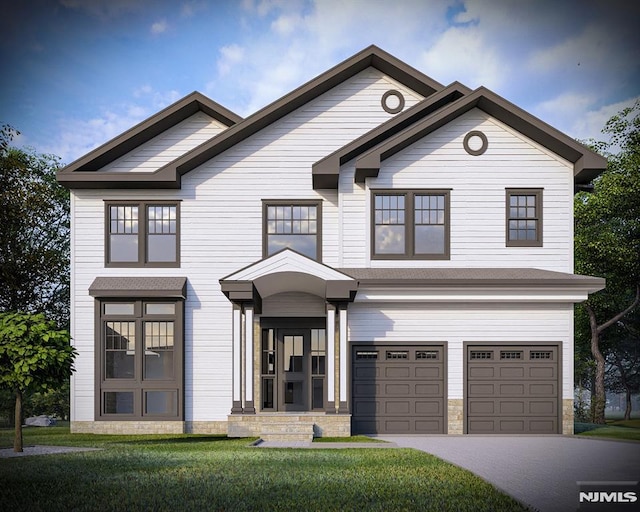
[[294, 345]]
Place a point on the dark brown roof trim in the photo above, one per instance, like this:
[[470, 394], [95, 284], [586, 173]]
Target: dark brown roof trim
[[587, 164], [371, 56], [413, 277], [133, 287], [169, 175], [80, 173], [325, 172]]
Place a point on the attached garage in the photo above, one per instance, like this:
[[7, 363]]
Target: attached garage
[[512, 389], [398, 389]]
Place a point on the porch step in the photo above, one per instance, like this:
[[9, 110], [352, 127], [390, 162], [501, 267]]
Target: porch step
[[292, 431]]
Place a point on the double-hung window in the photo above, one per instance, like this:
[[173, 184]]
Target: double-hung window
[[524, 217], [411, 224], [142, 234], [292, 224]]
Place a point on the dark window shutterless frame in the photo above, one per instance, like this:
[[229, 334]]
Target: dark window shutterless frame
[[296, 224], [142, 234], [410, 224], [139, 359], [523, 217]]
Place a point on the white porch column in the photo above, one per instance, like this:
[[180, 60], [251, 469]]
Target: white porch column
[[331, 358], [248, 360], [344, 402], [236, 341]]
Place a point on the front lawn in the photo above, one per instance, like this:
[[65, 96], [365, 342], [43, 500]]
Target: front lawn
[[216, 473], [614, 429]]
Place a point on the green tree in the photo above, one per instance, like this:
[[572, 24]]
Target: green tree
[[607, 240], [623, 359], [34, 234], [34, 356]]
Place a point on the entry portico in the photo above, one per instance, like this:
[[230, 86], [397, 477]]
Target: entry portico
[[289, 342]]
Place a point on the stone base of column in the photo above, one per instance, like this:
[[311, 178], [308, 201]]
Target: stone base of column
[[249, 408], [236, 408], [344, 408]]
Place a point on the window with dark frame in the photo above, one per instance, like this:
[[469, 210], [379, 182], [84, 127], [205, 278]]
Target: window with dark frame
[[142, 234], [524, 217], [293, 224], [410, 224], [140, 360]]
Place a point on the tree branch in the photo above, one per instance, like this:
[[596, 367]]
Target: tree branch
[[613, 320]]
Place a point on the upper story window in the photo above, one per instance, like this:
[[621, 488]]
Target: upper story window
[[412, 224], [524, 217], [293, 224], [142, 234]]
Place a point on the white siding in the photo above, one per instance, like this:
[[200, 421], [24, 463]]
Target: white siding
[[168, 146], [459, 323], [221, 231], [477, 206]]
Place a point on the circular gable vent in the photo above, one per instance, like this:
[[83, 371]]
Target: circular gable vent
[[393, 101], [475, 143]]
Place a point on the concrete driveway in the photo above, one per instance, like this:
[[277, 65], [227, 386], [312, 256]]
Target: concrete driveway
[[540, 471]]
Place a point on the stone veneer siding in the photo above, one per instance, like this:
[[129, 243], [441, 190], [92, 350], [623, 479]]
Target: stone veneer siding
[[324, 425], [127, 427], [455, 416], [567, 416]]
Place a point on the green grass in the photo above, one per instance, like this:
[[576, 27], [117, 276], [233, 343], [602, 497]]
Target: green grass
[[216, 473], [614, 429]]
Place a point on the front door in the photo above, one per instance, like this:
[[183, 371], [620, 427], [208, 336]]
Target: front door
[[294, 346], [293, 369]]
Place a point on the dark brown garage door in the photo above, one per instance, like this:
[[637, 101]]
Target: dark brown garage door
[[512, 389], [398, 389]]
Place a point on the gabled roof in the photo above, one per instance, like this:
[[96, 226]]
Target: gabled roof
[[587, 164], [80, 174], [169, 175], [325, 172], [287, 271]]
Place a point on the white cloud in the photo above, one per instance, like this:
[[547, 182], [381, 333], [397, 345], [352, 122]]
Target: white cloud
[[159, 27], [190, 8], [463, 54], [229, 56], [77, 137], [287, 24]]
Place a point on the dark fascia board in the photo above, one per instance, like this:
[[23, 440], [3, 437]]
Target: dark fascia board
[[81, 173], [325, 172], [371, 56], [587, 164]]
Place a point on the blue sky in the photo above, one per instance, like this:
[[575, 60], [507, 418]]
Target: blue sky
[[76, 73]]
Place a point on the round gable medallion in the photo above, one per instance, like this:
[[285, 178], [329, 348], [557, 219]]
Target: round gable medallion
[[475, 143], [393, 101]]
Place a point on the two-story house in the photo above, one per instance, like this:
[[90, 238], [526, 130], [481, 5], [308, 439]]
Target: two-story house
[[372, 253]]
